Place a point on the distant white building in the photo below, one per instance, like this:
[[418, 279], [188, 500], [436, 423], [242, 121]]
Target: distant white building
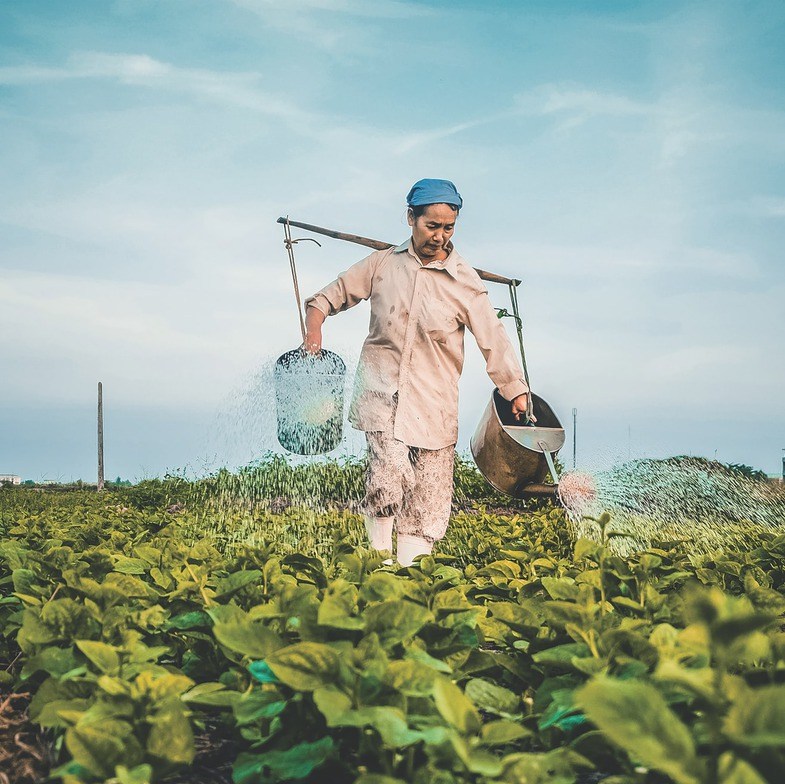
[[11, 479]]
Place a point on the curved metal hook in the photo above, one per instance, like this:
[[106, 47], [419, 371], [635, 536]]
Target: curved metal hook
[[289, 242]]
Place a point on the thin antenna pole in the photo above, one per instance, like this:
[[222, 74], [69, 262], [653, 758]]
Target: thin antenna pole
[[574, 438], [100, 436]]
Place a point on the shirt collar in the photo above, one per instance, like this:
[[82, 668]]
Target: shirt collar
[[450, 264]]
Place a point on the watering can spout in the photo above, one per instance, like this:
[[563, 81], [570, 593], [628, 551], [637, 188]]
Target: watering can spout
[[538, 490]]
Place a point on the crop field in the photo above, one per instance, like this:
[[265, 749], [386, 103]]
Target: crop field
[[238, 630]]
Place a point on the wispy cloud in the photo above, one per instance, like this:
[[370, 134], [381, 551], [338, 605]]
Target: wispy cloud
[[344, 28], [684, 119], [583, 102], [242, 90], [373, 9], [569, 106], [412, 140], [769, 207]]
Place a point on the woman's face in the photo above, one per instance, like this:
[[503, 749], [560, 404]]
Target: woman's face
[[432, 231]]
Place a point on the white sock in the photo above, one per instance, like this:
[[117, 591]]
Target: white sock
[[409, 547], [379, 531]]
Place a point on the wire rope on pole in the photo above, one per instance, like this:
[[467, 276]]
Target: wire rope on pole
[[289, 243]]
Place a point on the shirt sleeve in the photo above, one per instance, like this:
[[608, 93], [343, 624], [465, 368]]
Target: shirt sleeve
[[347, 289], [501, 362]]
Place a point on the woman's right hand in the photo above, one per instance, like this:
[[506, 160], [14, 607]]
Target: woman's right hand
[[314, 318], [313, 342]]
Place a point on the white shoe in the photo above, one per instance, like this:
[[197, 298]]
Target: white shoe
[[409, 547], [379, 531]]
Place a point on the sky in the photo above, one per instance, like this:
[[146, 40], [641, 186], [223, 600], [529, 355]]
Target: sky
[[625, 160]]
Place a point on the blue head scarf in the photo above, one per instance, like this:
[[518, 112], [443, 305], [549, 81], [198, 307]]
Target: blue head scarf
[[434, 192]]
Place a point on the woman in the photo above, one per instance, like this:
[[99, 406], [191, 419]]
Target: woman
[[423, 296]]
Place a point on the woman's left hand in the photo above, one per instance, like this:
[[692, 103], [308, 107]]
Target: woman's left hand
[[519, 405]]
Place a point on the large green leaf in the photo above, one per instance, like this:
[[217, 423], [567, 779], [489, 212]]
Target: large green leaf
[[258, 704], [141, 774], [699, 681], [396, 620], [100, 747], [53, 660], [247, 637], [339, 605], [382, 586], [54, 690], [114, 686], [502, 732], [552, 767], [519, 618], [479, 761], [332, 702], [103, 656], [585, 548], [211, 695], [170, 737], [54, 712], [410, 678], [757, 717], [60, 619], [25, 582], [763, 599], [635, 716], [560, 588], [416, 654], [118, 588], [228, 586], [305, 666], [455, 707], [160, 685], [492, 698], [734, 770], [126, 565], [727, 631], [189, 620], [291, 764], [389, 722], [562, 654]]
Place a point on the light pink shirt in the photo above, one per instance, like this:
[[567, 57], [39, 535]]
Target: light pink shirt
[[415, 341]]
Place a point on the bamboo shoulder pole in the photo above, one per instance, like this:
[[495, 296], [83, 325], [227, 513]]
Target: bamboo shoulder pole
[[491, 277]]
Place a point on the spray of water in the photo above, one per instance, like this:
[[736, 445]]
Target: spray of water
[[250, 493], [255, 491], [705, 504]]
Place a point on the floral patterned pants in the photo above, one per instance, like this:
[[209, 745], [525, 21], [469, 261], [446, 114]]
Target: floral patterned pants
[[413, 485]]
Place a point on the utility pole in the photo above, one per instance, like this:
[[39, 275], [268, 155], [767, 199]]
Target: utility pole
[[100, 437], [782, 477], [574, 437]]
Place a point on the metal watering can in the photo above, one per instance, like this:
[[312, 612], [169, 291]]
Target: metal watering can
[[309, 401], [515, 457]]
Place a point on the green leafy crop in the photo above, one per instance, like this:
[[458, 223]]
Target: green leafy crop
[[148, 626]]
